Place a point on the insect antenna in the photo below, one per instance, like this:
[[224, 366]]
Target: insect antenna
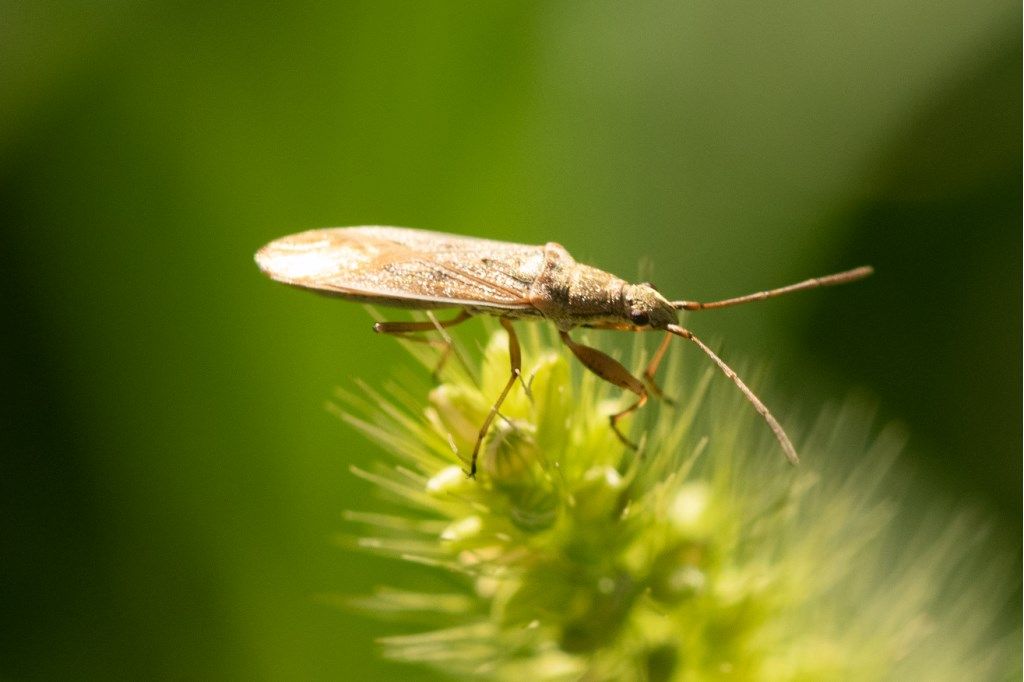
[[813, 283], [780, 434]]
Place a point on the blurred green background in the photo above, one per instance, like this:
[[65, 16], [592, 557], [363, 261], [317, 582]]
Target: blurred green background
[[171, 480]]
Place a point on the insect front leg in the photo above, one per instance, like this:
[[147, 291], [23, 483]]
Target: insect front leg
[[404, 330], [652, 367], [612, 371], [515, 362]]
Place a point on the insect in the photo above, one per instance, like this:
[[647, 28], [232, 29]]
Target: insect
[[410, 268]]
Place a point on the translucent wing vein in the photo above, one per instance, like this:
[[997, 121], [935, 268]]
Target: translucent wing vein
[[405, 267]]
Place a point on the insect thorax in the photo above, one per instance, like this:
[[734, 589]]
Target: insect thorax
[[571, 294]]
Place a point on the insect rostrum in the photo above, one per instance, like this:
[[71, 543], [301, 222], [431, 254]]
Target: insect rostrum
[[409, 268]]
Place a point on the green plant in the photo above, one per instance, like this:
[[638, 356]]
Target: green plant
[[704, 555]]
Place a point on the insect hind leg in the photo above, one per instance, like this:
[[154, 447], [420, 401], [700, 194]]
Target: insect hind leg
[[407, 331]]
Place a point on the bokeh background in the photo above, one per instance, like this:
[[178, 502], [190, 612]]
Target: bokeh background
[[171, 481]]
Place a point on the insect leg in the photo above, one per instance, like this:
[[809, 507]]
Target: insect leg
[[404, 330], [515, 362], [612, 371], [652, 367], [780, 434]]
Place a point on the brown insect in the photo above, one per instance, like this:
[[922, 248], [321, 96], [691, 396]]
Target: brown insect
[[408, 268]]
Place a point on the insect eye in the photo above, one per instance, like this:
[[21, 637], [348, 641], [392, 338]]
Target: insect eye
[[639, 318]]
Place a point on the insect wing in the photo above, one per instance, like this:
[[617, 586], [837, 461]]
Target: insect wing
[[405, 267]]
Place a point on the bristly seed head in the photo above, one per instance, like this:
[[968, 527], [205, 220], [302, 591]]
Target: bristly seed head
[[700, 557]]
